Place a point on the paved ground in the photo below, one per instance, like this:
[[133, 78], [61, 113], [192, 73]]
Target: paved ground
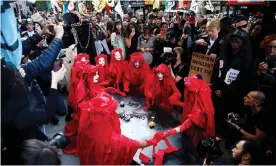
[[53, 129]]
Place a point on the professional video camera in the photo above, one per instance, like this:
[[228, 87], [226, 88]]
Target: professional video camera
[[59, 140], [168, 58]]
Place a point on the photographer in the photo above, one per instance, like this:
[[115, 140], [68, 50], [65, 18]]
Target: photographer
[[179, 69], [21, 121], [35, 152], [266, 74], [245, 152]]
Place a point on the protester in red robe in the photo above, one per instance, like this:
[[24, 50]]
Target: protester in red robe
[[101, 60], [198, 111], [117, 67], [160, 89], [87, 88], [100, 141], [136, 73], [80, 61], [70, 131]]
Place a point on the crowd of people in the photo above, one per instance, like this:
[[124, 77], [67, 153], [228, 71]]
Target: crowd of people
[[142, 53]]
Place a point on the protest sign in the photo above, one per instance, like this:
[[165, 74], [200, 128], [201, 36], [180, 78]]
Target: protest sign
[[203, 65], [231, 76], [37, 17]]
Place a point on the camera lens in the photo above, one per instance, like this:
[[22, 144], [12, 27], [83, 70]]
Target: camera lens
[[59, 140]]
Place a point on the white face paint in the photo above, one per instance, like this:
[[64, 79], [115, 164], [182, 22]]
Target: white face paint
[[160, 76], [117, 56], [96, 77], [137, 64], [101, 61]]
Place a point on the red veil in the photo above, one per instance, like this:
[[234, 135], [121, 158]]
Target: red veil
[[85, 90], [100, 141], [198, 111], [70, 130], [135, 76], [80, 61], [117, 68], [198, 107], [163, 93], [103, 70]]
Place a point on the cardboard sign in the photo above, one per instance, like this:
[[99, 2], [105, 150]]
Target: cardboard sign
[[36, 17], [203, 65]]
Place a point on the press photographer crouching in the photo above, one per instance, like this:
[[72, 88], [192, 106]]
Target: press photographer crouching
[[36, 152], [257, 125], [245, 152]]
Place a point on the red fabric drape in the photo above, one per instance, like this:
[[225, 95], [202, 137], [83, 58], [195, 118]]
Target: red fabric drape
[[136, 76], [162, 93], [104, 70], [100, 141], [117, 68]]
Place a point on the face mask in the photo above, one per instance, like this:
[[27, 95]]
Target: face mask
[[160, 76], [137, 64], [101, 61], [117, 56], [96, 78]]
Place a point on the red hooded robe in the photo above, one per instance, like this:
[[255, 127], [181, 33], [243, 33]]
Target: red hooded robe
[[100, 141], [85, 90], [104, 70], [117, 68], [135, 76], [162, 93], [198, 111], [70, 130]]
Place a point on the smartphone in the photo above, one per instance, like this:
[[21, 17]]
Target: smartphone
[[58, 64], [118, 33]]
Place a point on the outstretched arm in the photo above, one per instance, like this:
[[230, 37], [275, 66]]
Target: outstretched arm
[[181, 128]]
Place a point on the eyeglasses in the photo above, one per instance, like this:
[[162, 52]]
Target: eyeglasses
[[243, 26]]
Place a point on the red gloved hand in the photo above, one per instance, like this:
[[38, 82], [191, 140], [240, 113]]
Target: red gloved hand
[[156, 138], [169, 132]]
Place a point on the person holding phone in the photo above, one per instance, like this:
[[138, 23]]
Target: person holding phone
[[117, 39], [131, 39]]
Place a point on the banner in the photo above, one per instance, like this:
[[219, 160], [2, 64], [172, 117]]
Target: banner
[[119, 10], [156, 4], [111, 3], [203, 65], [99, 5], [37, 17], [149, 2], [245, 2], [194, 6]]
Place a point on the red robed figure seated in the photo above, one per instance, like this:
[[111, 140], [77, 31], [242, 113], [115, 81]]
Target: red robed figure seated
[[101, 60], [86, 89], [117, 67], [160, 89], [136, 72]]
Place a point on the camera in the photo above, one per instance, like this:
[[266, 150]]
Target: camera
[[233, 118], [59, 140], [168, 58], [209, 149], [271, 61]]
